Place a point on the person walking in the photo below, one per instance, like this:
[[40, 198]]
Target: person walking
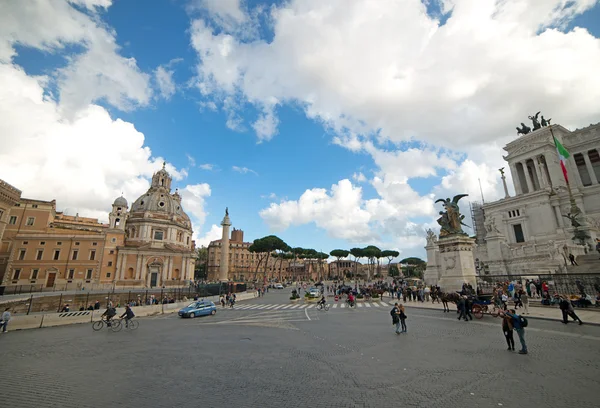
[[5, 319], [567, 309], [402, 319], [395, 312], [462, 307], [519, 323], [572, 259], [507, 329], [525, 302]]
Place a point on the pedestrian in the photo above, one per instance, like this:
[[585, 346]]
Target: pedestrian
[[519, 323], [566, 306], [5, 319], [533, 289], [507, 329], [403, 318], [468, 308], [572, 259], [525, 302], [395, 313]]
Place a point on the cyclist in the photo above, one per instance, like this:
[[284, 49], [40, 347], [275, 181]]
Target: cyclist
[[109, 313], [128, 315], [322, 301], [351, 299]]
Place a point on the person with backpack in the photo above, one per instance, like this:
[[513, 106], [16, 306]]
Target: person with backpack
[[519, 323], [395, 313]]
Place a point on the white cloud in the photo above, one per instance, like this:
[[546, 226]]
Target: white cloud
[[215, 232], [207, 166], [48, 157], [243, 170], [164, 81], [359, 177], [191, 160], [98, 72], [387, 67]]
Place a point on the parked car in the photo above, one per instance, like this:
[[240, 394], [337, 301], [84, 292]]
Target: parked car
[[278, 286], [201, 308], [314, 292]]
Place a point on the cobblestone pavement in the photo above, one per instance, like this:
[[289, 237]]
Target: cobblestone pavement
[[280, 358]]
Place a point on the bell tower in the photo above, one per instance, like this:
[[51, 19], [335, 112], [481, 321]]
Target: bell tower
[[118, 215]]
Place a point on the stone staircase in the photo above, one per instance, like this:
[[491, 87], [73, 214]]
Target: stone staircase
[[589, 263]]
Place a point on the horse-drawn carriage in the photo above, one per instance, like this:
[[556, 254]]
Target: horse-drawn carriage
[[483, 304]]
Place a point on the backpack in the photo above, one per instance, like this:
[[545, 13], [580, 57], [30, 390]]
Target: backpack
[[393, 312], [523, 321]]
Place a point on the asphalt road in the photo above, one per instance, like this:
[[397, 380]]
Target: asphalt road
[[300, 358]]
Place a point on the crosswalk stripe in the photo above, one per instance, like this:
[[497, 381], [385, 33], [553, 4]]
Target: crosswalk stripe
[[342, 305], [270, 307], [303, 306], [311, 306], [260, 307], [278, 307], [244, 307], [367, 305], [286, 306], [359, 304], [295, 306], [334, 305], [376, 304]]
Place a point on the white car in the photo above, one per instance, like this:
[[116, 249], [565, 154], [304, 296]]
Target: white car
[[314, 292], [278, 286]]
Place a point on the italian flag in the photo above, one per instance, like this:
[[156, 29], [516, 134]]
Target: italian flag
[[563, 155]]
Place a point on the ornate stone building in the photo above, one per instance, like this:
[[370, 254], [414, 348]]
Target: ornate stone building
[[530, 234], [146, 246]]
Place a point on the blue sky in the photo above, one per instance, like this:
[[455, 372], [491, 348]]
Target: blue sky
[[331, 110]]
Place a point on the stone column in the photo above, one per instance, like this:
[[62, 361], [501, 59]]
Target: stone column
[[431, 276], [515, 177], [138, 267], [224, 267], [527, 176], [118, 266], [559, 216], [457, 262], [123, 265], [503, 177], [590, 169]]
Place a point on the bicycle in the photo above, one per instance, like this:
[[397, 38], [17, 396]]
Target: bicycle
[[129, 324], [322, 306], [114, 324]]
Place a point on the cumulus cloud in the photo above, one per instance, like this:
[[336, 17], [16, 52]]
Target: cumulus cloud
[[359, 177], [98, 72], [215, 232], [243, 170], [193, 199], [207, 166], [164, 81]]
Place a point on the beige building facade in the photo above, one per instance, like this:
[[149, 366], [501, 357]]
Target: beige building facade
[[149, 245]]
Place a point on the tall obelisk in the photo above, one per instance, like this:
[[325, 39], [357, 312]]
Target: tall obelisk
[[224, 265]]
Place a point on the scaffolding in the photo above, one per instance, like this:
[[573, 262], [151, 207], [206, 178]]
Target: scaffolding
[[478, 221]]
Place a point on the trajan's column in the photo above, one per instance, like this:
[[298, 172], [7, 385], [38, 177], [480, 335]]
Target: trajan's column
[[224, 265]]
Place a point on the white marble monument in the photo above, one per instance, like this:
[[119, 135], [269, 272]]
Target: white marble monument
[[224, 265]]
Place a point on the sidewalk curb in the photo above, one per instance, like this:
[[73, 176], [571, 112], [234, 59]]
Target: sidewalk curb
[[550, 319]]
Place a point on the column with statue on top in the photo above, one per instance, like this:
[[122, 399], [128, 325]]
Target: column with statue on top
[[224, 265]]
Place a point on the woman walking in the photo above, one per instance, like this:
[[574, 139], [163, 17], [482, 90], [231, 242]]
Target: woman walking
[[507, 329], [402, 319]]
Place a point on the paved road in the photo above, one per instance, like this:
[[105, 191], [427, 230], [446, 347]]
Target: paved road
[[278, 357]]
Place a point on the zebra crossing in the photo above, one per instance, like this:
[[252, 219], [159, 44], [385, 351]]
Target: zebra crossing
[[290, 307]]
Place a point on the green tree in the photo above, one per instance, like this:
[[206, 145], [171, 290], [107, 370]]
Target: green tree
[[414, 266], [357, 253], [372, 253], [393, 271], [339, 254], [264, 247], [389, 254]]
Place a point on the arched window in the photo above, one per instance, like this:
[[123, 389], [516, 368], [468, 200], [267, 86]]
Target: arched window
[[162, 182], [176, 274], [130, 274], [117, 222]]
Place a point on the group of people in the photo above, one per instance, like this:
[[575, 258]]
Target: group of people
[[228, 299]]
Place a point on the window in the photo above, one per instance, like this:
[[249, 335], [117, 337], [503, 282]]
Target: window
[[109, 263], [30, 221], [93, 255], [25, 242], [108, 275], [88, 274], [16, 274], [34, 206], [158, 235], [17, 204], [12, 220], [43, 243], [113, 240], [22, 254], [56, 254], [519, 237], [586, 179], [94, 243], [76, 243], [34, 274], [111, 252], [188, 240], [71, 273], [59, 243], [40, 253], [1, 214], [75, 253]]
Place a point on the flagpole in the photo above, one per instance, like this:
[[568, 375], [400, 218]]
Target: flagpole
[[574, 208]]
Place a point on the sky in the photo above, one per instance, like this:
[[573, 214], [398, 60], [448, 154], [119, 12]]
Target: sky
[[332, 124]]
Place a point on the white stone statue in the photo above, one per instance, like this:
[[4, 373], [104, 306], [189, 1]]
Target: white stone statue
[[491, 227], [431, 237]]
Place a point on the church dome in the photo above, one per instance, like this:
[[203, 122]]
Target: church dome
[[159, 201], [121, 202]]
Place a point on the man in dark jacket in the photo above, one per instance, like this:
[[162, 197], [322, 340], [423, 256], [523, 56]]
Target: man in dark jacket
[[128, 315]]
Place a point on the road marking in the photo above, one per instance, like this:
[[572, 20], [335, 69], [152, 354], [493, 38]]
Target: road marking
[[306, 313], [359, 304], [278, 307], [334, 305], [303, 306], [285, 307], [271, 307], [376, 304], [295, 306], [342, 305], [367, 305]]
